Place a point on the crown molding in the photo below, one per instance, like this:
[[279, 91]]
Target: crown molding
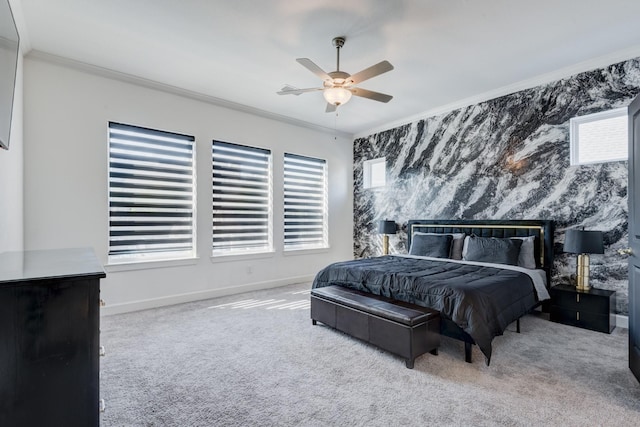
[[152, 84], [581, 67]]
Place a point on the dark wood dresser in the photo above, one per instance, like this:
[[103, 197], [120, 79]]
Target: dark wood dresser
[[49, 338], [592, 309]]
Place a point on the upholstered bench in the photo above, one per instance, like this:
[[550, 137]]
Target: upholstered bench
[[407, 330]]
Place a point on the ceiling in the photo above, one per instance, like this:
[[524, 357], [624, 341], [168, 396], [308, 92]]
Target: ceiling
[[244, 51]]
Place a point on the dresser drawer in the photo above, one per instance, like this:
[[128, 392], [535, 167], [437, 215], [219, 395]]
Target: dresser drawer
[[579, 301], [601, 322]]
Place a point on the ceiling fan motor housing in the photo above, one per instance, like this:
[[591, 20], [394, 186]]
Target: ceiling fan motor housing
[[338, 78]]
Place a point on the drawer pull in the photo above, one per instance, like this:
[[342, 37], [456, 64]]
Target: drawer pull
[[577, 315], [577, 297], [101, 406], [102, 351]]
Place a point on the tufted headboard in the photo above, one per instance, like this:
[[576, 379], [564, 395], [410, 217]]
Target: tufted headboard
[[542, 229]]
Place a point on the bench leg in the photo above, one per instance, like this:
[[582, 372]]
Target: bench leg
[[518, 325], [467, 352], [313, 321], [434, 352], [409, 363]]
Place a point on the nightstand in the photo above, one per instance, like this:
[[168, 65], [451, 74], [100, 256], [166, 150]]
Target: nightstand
[[592, 309]]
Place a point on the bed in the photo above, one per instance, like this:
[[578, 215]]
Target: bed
[[476, 299]]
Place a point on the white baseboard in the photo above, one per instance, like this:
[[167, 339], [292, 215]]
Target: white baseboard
[[200, 295], [622, 321]]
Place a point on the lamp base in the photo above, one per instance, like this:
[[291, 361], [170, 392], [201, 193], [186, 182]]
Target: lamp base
[[582, 273], [385, 244]]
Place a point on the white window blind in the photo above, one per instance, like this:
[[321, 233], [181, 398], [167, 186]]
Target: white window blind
[[241, 199], [151, 194], [305, 202], [599, 137]]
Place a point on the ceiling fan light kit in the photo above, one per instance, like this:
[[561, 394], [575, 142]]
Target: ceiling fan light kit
[[337, 95], [339, 86]]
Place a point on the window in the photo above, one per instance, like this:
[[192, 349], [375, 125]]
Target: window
[[241, 199], [305, 203], [151, 194], [374, 173], [600, 137]]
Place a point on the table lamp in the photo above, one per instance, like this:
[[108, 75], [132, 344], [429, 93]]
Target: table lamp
[[386, 227], [583, 243]]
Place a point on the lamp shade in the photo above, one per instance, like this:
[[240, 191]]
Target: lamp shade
[[337, 95], [583, 242], [386, 227]]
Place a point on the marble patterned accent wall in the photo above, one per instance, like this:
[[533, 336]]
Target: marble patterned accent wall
[[507, 158]]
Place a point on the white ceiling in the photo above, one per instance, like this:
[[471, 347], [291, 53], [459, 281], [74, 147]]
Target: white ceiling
[[244, 51]]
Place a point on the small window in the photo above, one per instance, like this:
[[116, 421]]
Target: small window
[[241, 199], [374, 173], [151, 194], [600, 137], [305, 203]]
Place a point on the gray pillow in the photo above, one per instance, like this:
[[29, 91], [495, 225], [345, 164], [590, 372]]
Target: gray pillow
[[527, 258], [433, 245], [492, 249], [456, 244]]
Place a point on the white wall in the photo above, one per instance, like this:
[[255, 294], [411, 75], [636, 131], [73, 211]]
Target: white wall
[[11, 176], [65, 131]]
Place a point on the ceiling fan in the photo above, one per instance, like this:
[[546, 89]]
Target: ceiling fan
[[338, 86]]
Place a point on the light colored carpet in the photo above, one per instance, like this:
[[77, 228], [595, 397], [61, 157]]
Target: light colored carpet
[[253, 360]]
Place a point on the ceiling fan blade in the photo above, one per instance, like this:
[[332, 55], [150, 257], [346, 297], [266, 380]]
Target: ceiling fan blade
[[289, 90], [367, 73], [331, 108], [311, 66], [376, 96]]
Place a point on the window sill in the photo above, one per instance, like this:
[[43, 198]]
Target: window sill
[[150, 264], [293, 252], [597, 162], [240, 257]]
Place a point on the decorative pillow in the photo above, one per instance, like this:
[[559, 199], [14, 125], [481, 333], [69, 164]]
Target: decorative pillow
[[492, 249], [456, 244], [433, 245], [527, 258]]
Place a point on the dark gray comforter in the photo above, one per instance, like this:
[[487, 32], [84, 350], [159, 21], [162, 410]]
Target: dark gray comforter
[[481, 300]]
